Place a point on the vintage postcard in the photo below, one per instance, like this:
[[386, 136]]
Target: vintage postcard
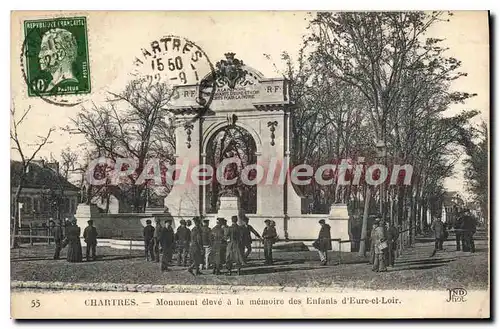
[[169, 165]]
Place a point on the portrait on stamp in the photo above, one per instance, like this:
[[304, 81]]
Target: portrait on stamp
[[57, 61]]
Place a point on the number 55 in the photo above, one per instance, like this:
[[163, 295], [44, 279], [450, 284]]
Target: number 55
[[35, 303]]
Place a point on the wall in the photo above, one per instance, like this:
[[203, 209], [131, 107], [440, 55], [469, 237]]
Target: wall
[[117, 226]]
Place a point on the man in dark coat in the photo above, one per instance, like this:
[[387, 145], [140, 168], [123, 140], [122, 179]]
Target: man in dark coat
[[205, 238], [469, 227], [182, 238], [156, 241], [90, 238], [233, 252], [392, 238], [57, 233], [246, 243], [196, 248], [167, 242], [148, 234], [324, 242], [225, 230], [458, 226], [218, 245], [269, 236]]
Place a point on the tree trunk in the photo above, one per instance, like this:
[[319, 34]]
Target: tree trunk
[[413, 218], [400, 204], [424, 216], [364, 225]]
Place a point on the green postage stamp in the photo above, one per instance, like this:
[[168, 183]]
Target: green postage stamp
[[57, 56]]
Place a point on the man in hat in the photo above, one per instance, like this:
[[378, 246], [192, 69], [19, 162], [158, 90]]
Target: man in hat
[[90, 238], [225, 229], [189, 225], [469, 229], [218, 245], [392, 238], [246, 243], [324, 241], [205, 238], [196, 247], [233, 253], [380, 244], [156, 241], [57, 233], [182, 238], [148, 234], [458, 221], [269, 235], [438, 230], [167, 241]]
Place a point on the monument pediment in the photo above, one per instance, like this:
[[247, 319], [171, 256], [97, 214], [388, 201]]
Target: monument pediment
[[238, 87]]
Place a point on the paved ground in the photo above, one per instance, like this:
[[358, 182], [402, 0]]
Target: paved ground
[[415, 269]]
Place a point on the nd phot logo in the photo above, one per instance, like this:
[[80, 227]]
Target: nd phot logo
[[456, 295]]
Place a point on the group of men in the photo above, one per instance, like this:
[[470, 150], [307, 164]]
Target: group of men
[[464, 226], [203, 247], [384, 238], [70, 236]]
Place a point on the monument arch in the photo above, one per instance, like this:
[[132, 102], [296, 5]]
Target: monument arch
[[244, 99]]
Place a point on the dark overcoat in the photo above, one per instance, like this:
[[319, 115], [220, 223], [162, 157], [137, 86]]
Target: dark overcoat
[[325, 238], [90, 234], [233, 252], [218, 245], [196, 245], [148, 233], [167, 238], [74, 245]]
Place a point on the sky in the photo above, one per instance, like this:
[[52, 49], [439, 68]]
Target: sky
[[115, 39]]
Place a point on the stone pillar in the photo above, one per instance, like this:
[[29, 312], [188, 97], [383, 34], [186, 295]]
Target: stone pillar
[[229, 206], [183, 199], [83, 213], [339, 222]]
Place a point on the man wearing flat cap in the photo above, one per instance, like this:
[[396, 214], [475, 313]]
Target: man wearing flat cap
[[218, 245], [167, 242], [324, 242], [269, 235], [195, 248], [182, 238], [90, 238], [148, 234]]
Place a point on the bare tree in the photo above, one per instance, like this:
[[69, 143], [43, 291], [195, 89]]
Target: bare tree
[[131, 124], [69, 160], [26, 160]]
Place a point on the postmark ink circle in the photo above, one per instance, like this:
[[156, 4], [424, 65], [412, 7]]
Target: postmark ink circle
[[185, 67]]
